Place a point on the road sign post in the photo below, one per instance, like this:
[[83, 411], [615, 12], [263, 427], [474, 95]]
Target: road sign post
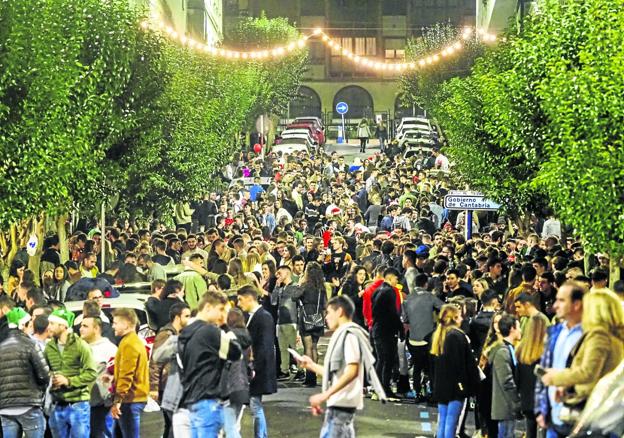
[[464, 200], [342, 108], [469, 202]]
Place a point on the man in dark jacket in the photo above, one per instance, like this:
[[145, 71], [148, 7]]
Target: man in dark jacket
[[417, 313], [204, 348], [480, 324], [387, 327], [262, 329], [24, 376]]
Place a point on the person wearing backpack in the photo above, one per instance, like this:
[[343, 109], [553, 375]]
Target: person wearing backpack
[[204, 349]]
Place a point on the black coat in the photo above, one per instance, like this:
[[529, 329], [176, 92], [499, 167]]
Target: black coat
[[455, 374], [352, 290], [479, 327], [262, 331], [24, 372], [386, 318]]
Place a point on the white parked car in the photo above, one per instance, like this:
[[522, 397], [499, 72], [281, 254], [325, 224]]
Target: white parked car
[[416, 138], [411, 126], [415, 121], [299, 133], [132, 301], [413, 132], [291, 145]]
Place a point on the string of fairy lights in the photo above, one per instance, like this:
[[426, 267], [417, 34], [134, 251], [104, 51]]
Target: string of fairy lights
[[280, 51]]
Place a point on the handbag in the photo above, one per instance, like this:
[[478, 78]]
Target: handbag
[[315, 321]]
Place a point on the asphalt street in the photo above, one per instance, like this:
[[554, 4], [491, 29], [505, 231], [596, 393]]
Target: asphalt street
[[288, 415]]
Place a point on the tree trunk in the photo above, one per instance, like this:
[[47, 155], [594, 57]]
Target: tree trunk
[[523, 221], [614, 271], [62, 234]]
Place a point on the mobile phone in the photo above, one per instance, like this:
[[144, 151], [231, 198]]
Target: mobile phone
[[539, 370]]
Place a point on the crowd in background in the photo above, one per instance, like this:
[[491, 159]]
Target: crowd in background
[[523, 324]]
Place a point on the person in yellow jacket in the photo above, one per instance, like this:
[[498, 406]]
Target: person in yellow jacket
[[131, 375]]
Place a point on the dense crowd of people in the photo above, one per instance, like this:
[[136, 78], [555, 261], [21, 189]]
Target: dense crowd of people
[[295, 248]]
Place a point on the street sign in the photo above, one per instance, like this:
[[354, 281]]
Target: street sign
[[31, 246], [342, 108], [457, 200], [264, 124]]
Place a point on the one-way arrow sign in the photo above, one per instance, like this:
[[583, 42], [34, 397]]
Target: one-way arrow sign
[[342, 108]]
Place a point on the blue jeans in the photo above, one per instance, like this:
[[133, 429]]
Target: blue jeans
[[206, 418], [102, 422], [259, 420], [31, 423], [231, 412], [506, 428], [448, 418], [71, 421], [130, 420], [338, 424]]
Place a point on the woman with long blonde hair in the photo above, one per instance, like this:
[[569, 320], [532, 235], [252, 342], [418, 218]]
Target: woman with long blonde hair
[[599, 350], [529, 352], [455, 372], [236, 271]]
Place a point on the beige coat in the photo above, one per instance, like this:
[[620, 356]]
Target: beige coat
[[598, 355]]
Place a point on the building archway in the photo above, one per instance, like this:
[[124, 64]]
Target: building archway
[[403, 109], [359, 100], [306, 103]]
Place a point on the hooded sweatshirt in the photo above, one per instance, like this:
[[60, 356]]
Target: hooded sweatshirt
[[204, 349]]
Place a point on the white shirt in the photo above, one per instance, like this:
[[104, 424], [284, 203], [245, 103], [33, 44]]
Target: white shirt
[[103, 351], [351, 396], [442, 163], [552, 227]]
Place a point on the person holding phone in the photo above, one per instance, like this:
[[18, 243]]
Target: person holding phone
[[349, 354]]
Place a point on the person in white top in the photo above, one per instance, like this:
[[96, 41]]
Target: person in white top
[[441, 162], [348, 355], [103, 354], [552, 227]]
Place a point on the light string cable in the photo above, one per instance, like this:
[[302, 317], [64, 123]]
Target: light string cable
[[286, 49]]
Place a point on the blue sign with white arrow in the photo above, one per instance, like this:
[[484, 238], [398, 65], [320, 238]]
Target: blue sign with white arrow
[[342, 108]]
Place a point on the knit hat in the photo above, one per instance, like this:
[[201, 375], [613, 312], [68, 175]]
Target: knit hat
[[62, 316], [17, 317]]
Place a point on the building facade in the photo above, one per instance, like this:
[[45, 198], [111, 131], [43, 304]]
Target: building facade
[[200, 19], [375, 29]]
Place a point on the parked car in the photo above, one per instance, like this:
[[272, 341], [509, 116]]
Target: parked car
[[301, 133], [420, 151], [309, 119], [134, 301], [415, 121], [416, 138], [409, 129], [292, 145], [317, 132]]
